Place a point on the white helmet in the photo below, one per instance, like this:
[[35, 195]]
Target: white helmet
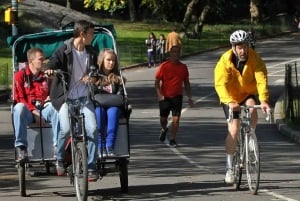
[[239, 36]]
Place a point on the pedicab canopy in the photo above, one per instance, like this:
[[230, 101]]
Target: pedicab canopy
[[49, 41]]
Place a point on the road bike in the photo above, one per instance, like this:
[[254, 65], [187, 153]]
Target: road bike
[[247, 153]]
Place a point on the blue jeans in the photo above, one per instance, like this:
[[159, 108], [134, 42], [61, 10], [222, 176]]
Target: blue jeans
[[90, 126], [22, 117], [107, 123]]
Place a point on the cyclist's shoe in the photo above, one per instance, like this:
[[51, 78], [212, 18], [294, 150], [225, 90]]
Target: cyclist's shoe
[[60, 169], [173, 143], [21, 154], [110, 152], [92, 176], [163, 134], [229, 178]]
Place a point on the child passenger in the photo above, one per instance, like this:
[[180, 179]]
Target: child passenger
[[109, 82]]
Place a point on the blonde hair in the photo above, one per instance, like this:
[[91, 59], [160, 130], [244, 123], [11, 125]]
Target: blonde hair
[[114, 75]]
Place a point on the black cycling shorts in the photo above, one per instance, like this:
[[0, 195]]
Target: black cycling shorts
[[170, 104], [236, 114]]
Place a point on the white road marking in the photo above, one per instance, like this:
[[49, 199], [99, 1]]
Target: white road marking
[[277, 195]]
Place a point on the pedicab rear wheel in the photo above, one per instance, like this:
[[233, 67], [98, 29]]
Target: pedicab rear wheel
[[22, 182], [81, 171], [123, 172]]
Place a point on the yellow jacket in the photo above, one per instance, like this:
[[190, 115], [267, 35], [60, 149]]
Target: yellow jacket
[[231, 86]]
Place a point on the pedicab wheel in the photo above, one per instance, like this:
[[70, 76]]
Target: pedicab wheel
[[81, 171], [22, 182], [123, 172]]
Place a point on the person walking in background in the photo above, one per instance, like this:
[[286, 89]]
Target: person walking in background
[[110, 82], [240, 79], [74, 58], [169, 79], [173, 39], [151, 49], [161, 48], [31, 87]]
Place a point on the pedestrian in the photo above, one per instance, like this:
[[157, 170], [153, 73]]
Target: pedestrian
[[151, 49], [240, 79], [161, 48], [31, 99], [74, 58], [252, 38], [169, 79], [173, 39], [109, 82]]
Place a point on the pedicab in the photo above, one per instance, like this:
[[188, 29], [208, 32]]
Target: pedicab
[[40, 148]]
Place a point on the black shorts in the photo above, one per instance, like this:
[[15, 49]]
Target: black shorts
[[236, 114], [170, 104]]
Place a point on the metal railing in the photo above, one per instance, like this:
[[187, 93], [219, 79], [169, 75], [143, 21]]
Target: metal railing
[[291, 103]]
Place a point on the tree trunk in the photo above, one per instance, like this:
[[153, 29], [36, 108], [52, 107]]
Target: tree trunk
[[132, 10], [199, 25], [188, 14], [68, 5], [255, 11]]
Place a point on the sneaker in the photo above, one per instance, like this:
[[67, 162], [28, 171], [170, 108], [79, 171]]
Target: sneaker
[[92, 176], [110, 151], [229, 178], [173, 143], [21, 154], [104, 153], [60, 169], [163, 134]]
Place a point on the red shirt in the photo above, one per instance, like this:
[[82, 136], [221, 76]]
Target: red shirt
[[29, 88], [172, 76]]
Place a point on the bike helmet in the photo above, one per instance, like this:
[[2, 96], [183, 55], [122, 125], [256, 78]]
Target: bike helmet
[[239, 36]]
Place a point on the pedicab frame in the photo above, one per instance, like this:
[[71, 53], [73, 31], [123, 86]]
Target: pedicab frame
[[40, 146]]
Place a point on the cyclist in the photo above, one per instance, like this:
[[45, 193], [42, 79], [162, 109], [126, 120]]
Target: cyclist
[[240, 79]]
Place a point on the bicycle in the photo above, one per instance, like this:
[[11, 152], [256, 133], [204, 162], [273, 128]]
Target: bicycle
[[77, 170], [247, 153]]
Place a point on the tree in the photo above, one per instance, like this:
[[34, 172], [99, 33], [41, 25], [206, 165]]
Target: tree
[[199, 9], [108, 5], [255, 11]]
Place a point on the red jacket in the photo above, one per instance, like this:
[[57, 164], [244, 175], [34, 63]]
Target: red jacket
[[29, 88]]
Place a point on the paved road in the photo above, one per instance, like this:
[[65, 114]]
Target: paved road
[[194, 170]]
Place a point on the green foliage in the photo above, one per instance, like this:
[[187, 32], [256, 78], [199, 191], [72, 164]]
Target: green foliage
[[109, 5]]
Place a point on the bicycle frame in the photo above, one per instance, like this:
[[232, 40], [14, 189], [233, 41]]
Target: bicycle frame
[[246, 155]]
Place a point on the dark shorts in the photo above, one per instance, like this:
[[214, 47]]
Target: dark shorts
[[236, 114], [170, 104]]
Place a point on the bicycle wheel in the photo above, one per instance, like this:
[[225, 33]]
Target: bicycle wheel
[[253, 164], [123, 172], [81, 172], [237, 164], [22, 182]]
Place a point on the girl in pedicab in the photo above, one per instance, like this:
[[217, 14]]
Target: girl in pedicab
[[107, 116]]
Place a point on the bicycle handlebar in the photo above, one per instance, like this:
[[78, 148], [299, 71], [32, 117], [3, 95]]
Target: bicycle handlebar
[[269, 117]]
